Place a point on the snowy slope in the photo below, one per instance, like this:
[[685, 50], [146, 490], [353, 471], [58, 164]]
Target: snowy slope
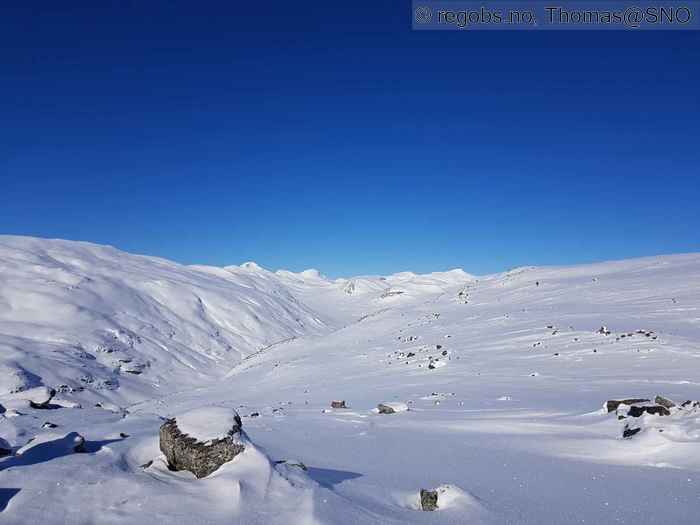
[[124, 326], [504, 377]]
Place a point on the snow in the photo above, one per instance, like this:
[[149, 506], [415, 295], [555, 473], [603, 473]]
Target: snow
[[508, 429], [208, 423]]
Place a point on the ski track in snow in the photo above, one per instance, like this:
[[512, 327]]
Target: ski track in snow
[[504, 376]]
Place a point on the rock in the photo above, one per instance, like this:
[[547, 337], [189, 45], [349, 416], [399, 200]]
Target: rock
[[292, 463], [628, 432], [612, 404], [664, 402], [79, 444], [5, 448], [123, 435], [202, 440], [48, 424], [428, 499], [38, 397], [391, 408], [636, 411], [338, 404]]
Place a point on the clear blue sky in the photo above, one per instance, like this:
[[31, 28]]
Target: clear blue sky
[[329, 135]]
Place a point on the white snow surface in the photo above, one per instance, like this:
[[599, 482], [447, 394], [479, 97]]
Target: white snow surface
[[208, 423], [508, 427]]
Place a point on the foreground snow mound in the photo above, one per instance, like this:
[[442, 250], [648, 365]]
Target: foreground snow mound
[[76, 316]]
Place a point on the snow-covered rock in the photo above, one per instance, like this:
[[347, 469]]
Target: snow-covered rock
[[202, 440], [392, 407]]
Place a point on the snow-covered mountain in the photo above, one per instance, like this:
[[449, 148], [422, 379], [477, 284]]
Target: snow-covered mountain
[[78, 315], [503, 376]]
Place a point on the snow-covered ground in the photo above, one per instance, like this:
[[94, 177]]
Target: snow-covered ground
[[504, 378]]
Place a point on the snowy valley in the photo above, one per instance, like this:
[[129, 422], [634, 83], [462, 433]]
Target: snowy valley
[[499, 386]]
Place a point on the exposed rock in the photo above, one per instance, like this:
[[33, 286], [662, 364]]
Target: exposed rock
[[79, 444], [636, 411], [48, 424], [338, 404], [391, 408], [428, 499], [612, 404], [628, 432], [664, 402], [203, 453]]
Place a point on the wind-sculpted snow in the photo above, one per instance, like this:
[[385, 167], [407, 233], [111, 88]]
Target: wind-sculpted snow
[[500, 381]]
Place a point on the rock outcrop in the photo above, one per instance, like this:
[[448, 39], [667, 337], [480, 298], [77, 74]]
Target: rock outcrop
[[612, 404]]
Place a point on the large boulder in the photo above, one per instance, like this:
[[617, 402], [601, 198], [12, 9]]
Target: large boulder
[[202, 440]]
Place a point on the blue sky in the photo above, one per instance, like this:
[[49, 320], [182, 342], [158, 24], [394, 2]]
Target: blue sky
[[330, 135]]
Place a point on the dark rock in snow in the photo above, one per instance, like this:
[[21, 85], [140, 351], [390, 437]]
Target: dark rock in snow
[[612, 404], [201, 458], [636, 411], [48, 424], [428, 499], [664, 402], [79, 443], [628, 432], [338, 404]]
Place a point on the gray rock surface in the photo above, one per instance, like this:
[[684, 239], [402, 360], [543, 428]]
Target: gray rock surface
[[428, 499], [664, 402], [186, 453]]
